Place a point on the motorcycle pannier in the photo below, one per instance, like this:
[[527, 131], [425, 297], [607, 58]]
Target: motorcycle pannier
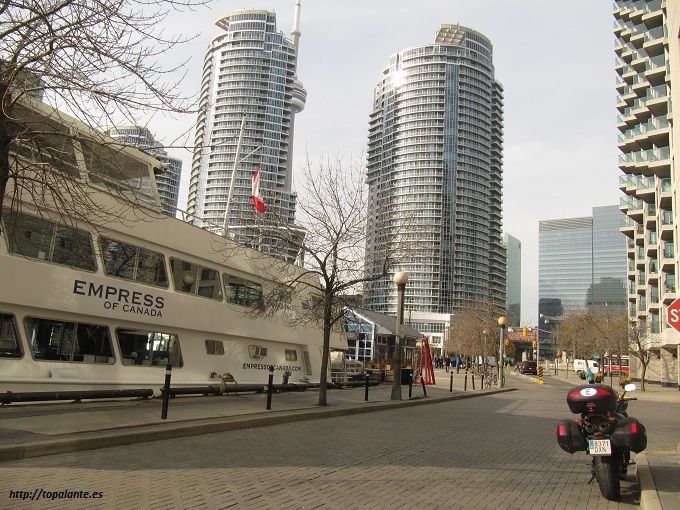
[[592, 398], [630, 434], [569, 436]]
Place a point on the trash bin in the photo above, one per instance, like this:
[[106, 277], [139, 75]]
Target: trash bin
[[406, 375]]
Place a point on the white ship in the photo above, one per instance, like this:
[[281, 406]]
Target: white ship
[[93, 301]]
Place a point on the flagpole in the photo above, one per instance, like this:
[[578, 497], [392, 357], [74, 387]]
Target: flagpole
[[225, 223]]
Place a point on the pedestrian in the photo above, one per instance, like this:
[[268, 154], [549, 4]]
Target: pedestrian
[[447, 363], [590, 377], [457, 364]]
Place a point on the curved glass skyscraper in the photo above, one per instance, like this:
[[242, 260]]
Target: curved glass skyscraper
[[249, 69], [435, 171]]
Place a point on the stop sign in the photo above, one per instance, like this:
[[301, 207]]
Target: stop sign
[[673, 314]]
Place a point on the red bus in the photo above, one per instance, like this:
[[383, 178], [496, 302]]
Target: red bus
[[616, 366]]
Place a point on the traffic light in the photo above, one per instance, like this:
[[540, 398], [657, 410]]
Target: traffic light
[[507, 341], [525, 332], [533, 343]]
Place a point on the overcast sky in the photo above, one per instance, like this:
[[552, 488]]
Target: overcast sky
[[555, 60]]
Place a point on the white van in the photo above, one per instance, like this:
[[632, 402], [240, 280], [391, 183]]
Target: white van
[[581, 366]]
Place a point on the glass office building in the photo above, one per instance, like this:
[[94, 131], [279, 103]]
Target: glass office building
[[434, 173], [582, 265], [249, 71]]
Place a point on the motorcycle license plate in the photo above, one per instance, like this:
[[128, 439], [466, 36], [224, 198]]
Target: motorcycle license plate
[[600, 446]]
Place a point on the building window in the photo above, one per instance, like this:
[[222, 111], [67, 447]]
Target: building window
[[195, 279], [69, 341], [133, 263], [10, 347], [149, 348], [41, 239], [214, 347], [291, 355]]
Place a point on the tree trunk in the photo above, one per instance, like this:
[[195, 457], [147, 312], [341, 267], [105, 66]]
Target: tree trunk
[[323, 377]]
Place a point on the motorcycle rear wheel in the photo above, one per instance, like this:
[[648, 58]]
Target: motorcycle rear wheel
[[607, 470]]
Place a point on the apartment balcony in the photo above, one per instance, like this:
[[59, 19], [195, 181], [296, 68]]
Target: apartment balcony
[[669, 294], [646, 189], [668, 257], [666, 220], [633, 207], [655, 36], [660, 161], [665, 193], [627, 227]]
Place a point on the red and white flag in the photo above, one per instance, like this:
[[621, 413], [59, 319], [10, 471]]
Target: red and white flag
[[259, 204]]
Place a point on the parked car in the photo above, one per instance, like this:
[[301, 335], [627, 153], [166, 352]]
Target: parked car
[[528, 367]]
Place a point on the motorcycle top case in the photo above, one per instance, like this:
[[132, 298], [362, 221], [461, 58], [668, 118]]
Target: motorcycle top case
[[592, 398], [570, 438], [630, 434]]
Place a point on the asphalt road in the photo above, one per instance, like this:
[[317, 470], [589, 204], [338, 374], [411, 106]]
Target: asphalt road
[[492, 452]]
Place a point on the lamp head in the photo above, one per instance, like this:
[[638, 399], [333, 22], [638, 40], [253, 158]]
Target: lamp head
[[400, 278], [502, 321]]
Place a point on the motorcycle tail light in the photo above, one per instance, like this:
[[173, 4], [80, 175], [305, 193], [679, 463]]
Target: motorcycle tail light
[[561, 430], [634, 428]]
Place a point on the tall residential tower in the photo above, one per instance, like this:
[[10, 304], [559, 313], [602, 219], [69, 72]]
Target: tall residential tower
[[249, 70], [647, 63], [435, 168]]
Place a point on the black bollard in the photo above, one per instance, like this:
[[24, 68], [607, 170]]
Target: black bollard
[[422, 382], [166, 391], [465, 383], [270, 387], [451, 383], [482, 381], [410, 385], [368, 376], [473, 382]]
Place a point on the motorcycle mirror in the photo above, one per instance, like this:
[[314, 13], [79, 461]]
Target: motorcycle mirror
[[630, 387]]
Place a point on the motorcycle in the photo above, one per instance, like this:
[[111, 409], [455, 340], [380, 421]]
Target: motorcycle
[[605, 431]]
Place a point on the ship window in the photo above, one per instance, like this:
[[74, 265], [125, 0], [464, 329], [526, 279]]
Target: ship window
[[149, 348], [256, 351], [242, 292], [9, 340], [133, 263], [291, 355], [195, 279], [214, 347], [69, 341], [42, 239]]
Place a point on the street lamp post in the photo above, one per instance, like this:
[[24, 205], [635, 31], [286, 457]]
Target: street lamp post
[[502, 321], [485, 332], [400, 279]]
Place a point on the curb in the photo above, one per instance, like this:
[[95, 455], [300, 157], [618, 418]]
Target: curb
[[649, 498], [153, 432]]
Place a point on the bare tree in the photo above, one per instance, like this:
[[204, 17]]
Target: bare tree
[[330, 235], [474, 330], [97, 61], [639, 349]]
